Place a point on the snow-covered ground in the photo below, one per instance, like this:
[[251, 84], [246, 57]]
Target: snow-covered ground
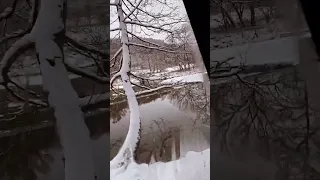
[[274, 51], [275, 28], [169, 73], [185, 79], [195, 165]]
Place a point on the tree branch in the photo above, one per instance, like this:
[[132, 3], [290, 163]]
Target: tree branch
[[152, 90], [149, 42], [74, 43], [141, 86], [8, 12], [78, 71], [116, 54], [147, 26], [13, 35], [135, 8], [115, 29]]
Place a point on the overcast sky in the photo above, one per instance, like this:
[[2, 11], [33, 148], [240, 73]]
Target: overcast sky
[[155, 9]]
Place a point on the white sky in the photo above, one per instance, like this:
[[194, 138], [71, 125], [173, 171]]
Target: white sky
[[156, 8]]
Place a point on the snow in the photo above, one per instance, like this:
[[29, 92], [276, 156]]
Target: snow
[[185, 79], [195, 165]]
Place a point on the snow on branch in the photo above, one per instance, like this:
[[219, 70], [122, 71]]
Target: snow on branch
[[14, 51], [116, 54], [114, 77], [127, 150]]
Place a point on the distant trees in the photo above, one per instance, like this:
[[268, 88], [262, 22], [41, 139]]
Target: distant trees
[[145, 27], [241, 13]]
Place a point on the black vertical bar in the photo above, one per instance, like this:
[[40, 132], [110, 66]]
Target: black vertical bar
[[199, 16], [312, 14]]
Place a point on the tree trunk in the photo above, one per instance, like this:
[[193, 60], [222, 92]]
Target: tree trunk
[[127, 151], [239, 11], [49, 31]]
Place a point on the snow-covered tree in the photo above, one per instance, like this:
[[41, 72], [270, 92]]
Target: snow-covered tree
[[46, 35]]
